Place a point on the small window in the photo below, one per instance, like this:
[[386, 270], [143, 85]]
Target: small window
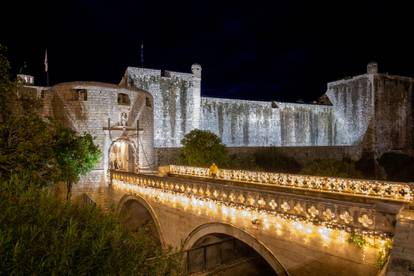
[[148, 102], [79, 94], [83, 94], [42, 94], [123, 99]]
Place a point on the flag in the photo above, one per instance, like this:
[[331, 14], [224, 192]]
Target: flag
[[46, 62]]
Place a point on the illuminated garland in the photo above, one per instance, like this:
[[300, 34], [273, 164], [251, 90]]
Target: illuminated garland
[[280, 224], [367, 188]]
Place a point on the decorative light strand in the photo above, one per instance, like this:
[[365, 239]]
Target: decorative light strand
[[395, 191], [279, 224]]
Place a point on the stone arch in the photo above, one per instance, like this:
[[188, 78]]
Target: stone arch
[[126, 199], [230, 230], [133, 165]]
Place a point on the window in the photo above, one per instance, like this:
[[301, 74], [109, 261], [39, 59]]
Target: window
[[148, 102], [42, 94], [123, 99], [79, 94]]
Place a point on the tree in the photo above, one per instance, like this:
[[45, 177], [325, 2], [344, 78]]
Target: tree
[[27, 148], [75, 155], [43, 235], [31, 145], [201, 148]]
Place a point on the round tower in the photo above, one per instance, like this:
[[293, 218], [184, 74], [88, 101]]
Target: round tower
[[372, 68], [196, 70]]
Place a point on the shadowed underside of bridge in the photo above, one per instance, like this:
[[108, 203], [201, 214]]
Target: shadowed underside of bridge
[[294, 231]]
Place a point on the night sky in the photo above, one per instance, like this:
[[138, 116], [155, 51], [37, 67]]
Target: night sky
[[285, 51]]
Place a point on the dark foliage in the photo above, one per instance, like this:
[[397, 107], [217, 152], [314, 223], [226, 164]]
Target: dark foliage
[[42, 235], [398, 166], [201, 148], [334, 168]]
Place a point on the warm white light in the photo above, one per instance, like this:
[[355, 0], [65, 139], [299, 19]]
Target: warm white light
[[270, 221]]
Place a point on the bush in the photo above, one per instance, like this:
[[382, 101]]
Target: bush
[[333, 168], [270, 159], [398, 167], [41, 235], [201, 148]]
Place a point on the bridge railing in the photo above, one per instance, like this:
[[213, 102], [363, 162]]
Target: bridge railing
[[395, 191], [353, 214]]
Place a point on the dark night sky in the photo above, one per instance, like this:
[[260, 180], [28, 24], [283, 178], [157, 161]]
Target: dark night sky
[[286, 50]]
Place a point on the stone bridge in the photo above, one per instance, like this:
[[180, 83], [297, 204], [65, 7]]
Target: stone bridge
[[299, 225]]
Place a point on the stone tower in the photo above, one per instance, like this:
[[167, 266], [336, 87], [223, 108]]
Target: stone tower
[[176, 101], [372, 68]]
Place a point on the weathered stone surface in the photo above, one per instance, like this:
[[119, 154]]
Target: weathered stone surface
[[95, 108], [372, 110], [402, 254]]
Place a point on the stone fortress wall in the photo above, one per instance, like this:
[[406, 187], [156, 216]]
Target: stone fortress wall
[[370, 113], [373, 111], [108, 112]]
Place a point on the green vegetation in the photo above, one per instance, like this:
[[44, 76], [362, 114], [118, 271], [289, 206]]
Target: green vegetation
[[329, 167], [42, 235], [201, 148], [271, 159], [357, 239], [383, 255], [41, 149], [76, 155]]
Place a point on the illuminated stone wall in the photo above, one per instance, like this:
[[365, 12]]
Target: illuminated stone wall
[[91, 113], [253, 123], [372, 110], [393, 120], [353, 107], [176, 100]]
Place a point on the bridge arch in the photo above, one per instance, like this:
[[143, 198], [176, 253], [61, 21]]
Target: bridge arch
[[207, 229], [136, 212]]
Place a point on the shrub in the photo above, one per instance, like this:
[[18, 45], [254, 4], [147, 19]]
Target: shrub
[[201, 148], [333, 168], [398, 167], [270, 159], [41, 235]]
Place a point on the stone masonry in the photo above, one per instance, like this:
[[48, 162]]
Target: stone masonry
[[372, 110]]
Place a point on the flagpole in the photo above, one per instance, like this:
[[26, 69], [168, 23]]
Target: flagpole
[[142, 54]]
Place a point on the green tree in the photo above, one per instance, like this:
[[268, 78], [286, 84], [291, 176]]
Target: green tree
[[31, 145], [201, 148], [26, 148], [75, 155], [42, 235]]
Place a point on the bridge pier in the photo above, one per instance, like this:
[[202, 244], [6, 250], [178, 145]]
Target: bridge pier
[[401, 260]]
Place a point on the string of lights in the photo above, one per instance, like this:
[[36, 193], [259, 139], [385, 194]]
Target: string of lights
[[358, 187], [299, 228]]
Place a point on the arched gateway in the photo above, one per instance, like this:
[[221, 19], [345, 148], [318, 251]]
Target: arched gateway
[[123, 155]]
